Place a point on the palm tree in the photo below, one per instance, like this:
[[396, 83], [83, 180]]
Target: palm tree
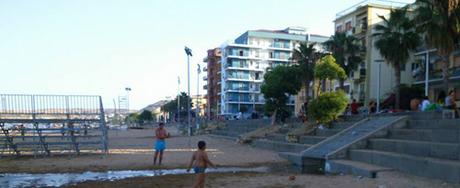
[[306, 56], [396, 38], [440, 21], [346, 52]]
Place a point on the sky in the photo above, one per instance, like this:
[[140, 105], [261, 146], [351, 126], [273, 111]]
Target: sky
[[100, 47]]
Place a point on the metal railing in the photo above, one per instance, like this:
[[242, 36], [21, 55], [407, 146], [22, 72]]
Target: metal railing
[[40, 124], [49, 104]]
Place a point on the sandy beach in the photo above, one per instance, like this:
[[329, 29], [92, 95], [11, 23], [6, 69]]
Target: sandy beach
[[132, 150]]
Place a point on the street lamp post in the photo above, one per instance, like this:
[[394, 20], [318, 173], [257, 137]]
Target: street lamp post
[[197, 97], [378, 84], [127, 89], [188, 51], [178, 99]]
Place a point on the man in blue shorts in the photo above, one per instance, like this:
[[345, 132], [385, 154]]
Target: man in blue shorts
[[160, 144]]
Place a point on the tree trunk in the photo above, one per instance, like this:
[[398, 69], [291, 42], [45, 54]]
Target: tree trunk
[[274, 117], [319, 88], [445, 72], [397, 84], [307, 90], [342, 84]]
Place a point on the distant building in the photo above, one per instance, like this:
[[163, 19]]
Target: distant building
[[360, 20], [245, 60], [213, 79], [200, 101], [155, 108]]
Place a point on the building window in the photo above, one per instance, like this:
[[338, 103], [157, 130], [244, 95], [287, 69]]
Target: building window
[[348, 26], [338, 28], [241, 53]]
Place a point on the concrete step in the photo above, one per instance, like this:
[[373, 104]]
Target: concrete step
[[352, 117], [284, 130], [279, 146], [434, 124], [241, 129], [226, 133], [417, 148], [276, 137], [424, 115], [433, 135], [354, 167], [294, 157], [342, 124], [223, 137], [311, 139], [326, 132], [447, 170]]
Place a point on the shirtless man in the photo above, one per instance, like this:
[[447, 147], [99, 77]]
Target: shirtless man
[[160, 144], [199, 162]]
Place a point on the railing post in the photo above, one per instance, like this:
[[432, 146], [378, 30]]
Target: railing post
[[103, 127]]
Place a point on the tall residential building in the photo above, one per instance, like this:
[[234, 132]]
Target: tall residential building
[[425, 71], [360, 20], [200, 101], [246, 59], [213, 79]]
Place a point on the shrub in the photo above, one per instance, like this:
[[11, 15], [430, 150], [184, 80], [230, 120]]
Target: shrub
[[326, 107]]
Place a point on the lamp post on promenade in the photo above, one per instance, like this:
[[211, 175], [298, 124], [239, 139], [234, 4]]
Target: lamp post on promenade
[[197, 108], [127, 89], [188, 51]]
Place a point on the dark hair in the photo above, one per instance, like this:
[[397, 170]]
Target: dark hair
[[451, 91], [160, 124], [201, 144]]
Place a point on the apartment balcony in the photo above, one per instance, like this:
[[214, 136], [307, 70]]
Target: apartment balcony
[[243, 79], [360, 74], [249, 68], [205, 69], [360, 29], [244, 57], [243, 90], [435, 75], [283, 59], [280, 47], [205, 87], [205, 78], [244, 102]]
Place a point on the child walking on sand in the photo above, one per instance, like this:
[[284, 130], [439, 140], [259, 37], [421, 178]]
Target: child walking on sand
[[199, 162]]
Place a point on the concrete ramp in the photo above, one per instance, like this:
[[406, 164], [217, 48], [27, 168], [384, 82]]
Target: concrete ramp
[[332, 146], [335, 147]]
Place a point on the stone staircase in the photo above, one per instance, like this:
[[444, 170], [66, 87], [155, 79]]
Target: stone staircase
[[424, 147], [234, 128], [421, 144], [278, 141]]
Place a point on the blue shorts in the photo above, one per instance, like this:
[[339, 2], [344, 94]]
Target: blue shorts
[[160, 145], [199, 170]]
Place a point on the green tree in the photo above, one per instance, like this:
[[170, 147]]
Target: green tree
[[440, 21], [146, 116], [328, 106], [328, 69], [171, 106], [279, 84], [395, 39], [305, 55], [346, 51], [132, 118]]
